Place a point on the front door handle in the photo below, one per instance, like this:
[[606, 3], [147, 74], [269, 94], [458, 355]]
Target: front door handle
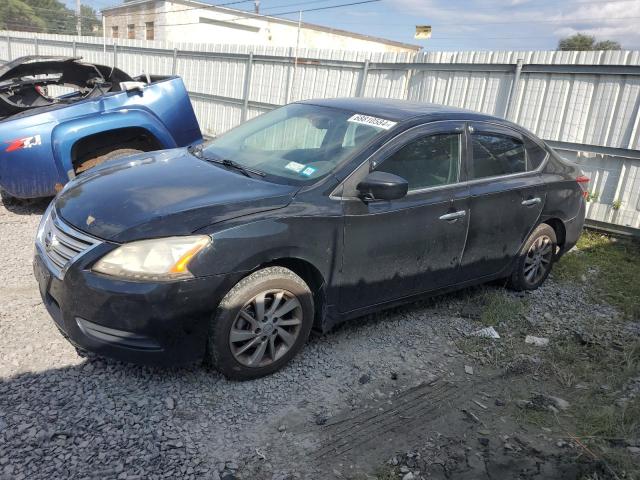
[[531, 201], [454, 215]]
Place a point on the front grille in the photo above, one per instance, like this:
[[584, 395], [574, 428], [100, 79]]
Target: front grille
[[61, 243]]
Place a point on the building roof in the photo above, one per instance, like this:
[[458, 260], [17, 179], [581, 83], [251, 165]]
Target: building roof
[[251, 15]]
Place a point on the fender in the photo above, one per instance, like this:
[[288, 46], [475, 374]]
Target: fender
[[65, 135]]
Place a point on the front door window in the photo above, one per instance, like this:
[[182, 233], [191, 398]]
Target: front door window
[[426, 162]]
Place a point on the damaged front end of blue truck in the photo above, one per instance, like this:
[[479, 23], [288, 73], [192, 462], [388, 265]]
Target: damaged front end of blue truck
[[60, 116]]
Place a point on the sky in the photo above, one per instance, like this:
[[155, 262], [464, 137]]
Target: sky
[[467, 24]]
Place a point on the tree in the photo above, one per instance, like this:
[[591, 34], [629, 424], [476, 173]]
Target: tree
[[17, 15], [580, 41], [607, 45], [47, 16], [90, 23]]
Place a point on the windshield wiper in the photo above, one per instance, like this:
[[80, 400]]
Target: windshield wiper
[[196, 150]]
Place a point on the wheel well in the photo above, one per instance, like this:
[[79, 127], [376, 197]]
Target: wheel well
[[104, 142], [558, 227], [312, 276]]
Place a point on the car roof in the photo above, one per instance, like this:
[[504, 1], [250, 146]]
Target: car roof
[[398, 110]]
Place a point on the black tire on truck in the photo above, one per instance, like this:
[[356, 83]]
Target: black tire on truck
[[7, 199]]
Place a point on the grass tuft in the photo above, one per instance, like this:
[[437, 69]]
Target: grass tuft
[[609, 267]]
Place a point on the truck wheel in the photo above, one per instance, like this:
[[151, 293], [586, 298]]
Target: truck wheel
[[7, 199], [92, 162], [261, 324]]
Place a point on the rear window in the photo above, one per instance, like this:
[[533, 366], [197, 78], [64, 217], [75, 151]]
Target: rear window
[[535, 154], [496, 155]]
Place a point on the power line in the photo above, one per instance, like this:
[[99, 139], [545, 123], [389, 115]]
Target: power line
[[274, 15], [475, 24]]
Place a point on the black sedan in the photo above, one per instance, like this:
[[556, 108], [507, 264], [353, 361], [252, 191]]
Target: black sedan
[[309, 215]]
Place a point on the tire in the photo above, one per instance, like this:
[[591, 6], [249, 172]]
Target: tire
[[7, 199], [535, 260], [89, 163], [258, 346]]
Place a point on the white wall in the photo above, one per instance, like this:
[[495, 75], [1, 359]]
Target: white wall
[[183, 25]]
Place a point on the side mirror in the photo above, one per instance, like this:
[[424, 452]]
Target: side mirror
[[382, 186]]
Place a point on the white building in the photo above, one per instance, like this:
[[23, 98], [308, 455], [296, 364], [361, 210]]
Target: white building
[[194, 21]]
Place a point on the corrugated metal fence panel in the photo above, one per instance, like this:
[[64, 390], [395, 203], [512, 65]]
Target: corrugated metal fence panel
[[587, 108]]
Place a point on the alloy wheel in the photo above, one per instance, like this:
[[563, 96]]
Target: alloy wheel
[[266, 328], [538, 259]]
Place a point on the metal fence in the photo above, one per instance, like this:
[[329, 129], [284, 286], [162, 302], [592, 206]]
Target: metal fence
[[585, 104]]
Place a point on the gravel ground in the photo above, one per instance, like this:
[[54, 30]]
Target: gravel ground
[[62, 416]]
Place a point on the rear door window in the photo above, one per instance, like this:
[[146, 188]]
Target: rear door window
[[495, 155], [535, 154]]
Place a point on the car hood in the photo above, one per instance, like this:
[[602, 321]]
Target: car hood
[[160, 194]]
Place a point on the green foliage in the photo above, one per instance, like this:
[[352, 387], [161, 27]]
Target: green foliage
[[592, 196], [610, 266], [607, 45], [616, 204], [581, 42], [46, 16], [500, 308], [18, 15]]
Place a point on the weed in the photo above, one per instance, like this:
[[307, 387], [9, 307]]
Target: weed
[[610, 267], [501, 308]]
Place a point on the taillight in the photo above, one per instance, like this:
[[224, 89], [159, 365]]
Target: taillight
[[583, 181]]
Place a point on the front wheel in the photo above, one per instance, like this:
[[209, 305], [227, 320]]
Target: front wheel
[[535, 260], [261, 324]]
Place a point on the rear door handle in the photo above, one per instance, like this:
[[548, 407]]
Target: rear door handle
[[454, 215], [531, 201]]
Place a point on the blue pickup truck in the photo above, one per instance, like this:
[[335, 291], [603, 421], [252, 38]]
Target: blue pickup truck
[[60, 116]]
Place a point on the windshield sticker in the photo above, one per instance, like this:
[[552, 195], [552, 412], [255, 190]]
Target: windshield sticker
[[307, 172], [295, 166], [373, 121]]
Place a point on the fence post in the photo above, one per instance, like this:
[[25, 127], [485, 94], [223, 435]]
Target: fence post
[[287, 94], [247, 87], [35, 43], [174, 65], [74, 48], [513, 93], [363, 81], [9, 48], [115, 54]]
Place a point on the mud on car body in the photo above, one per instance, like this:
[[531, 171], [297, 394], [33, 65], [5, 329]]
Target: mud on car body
[[312, 214]]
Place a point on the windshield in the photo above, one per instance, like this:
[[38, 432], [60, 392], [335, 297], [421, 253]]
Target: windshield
[[297, 143]]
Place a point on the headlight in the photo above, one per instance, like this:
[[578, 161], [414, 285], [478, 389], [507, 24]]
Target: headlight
[[159, 259]]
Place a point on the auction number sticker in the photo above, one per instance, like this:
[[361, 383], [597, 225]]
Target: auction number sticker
[[372, 121], [295, 166]]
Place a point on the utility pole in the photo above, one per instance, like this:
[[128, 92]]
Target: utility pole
[[78, 18]]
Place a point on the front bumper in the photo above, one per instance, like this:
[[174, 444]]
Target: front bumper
[[163, 324]]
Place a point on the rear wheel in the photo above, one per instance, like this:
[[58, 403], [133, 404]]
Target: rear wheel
[[261, 324], [535, 259]]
